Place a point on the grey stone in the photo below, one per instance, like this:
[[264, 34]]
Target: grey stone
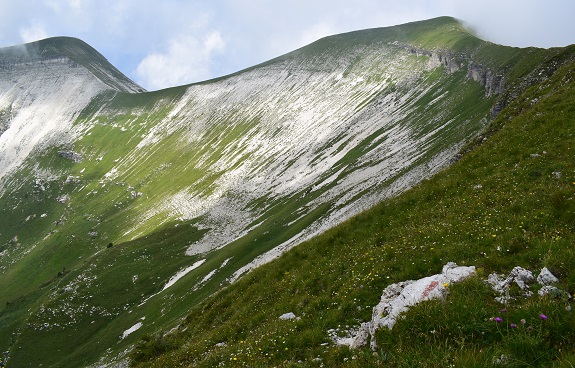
[[546, 277]]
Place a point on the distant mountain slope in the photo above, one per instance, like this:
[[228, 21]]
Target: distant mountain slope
[[43, 86], [119, 209]]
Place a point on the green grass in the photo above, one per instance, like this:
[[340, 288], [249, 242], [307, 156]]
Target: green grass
[[500, 206]]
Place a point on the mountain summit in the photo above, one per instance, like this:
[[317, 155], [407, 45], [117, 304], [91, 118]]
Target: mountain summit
[[121, 209]]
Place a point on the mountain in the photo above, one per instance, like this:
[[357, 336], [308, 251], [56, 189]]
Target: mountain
[[505, 208], [122, 209], [43, 86]]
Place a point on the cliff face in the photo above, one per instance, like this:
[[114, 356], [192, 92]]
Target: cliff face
[[492, 81]]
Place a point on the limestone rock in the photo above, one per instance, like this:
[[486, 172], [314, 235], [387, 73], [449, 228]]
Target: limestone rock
[[399, 297], [546, 277], [288, 316]]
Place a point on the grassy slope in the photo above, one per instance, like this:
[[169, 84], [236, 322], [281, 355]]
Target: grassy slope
[[523, 214]]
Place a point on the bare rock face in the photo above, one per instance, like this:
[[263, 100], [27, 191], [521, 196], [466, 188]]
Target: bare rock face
[[487, 78], [493, 83]]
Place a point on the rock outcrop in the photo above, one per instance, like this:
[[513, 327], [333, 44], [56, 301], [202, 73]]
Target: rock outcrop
[[399, 297]]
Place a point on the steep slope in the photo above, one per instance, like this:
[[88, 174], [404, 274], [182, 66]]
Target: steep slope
[[507, 203], [43, 86], [152, 201]]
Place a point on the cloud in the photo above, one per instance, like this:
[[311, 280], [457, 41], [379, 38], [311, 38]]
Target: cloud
[[33, 33], [522, 24], [186, 60]]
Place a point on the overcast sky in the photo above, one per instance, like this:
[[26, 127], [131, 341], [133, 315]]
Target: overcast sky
[[166, 43]]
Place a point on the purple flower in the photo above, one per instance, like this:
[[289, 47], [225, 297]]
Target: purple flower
[[543, 317], [498, 319], [513, 325], [504, 310]]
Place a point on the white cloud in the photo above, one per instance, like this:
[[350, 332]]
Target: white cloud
[[33, 33], [186, 60]]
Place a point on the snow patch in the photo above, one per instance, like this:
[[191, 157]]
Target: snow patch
[[172, 279], [130, 330], [182, 273]]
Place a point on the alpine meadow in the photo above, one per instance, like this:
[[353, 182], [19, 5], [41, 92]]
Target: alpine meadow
[[390, 197]]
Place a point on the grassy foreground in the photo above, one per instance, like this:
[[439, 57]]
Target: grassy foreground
[[508, 202]]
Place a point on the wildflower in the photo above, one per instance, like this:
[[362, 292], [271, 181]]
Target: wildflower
[[513, 325], [523, 321], [498, 319], [445, 284], [504, 310], [543, 317]]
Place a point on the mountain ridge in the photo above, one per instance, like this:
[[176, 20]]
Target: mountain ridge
[[75, 50]]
